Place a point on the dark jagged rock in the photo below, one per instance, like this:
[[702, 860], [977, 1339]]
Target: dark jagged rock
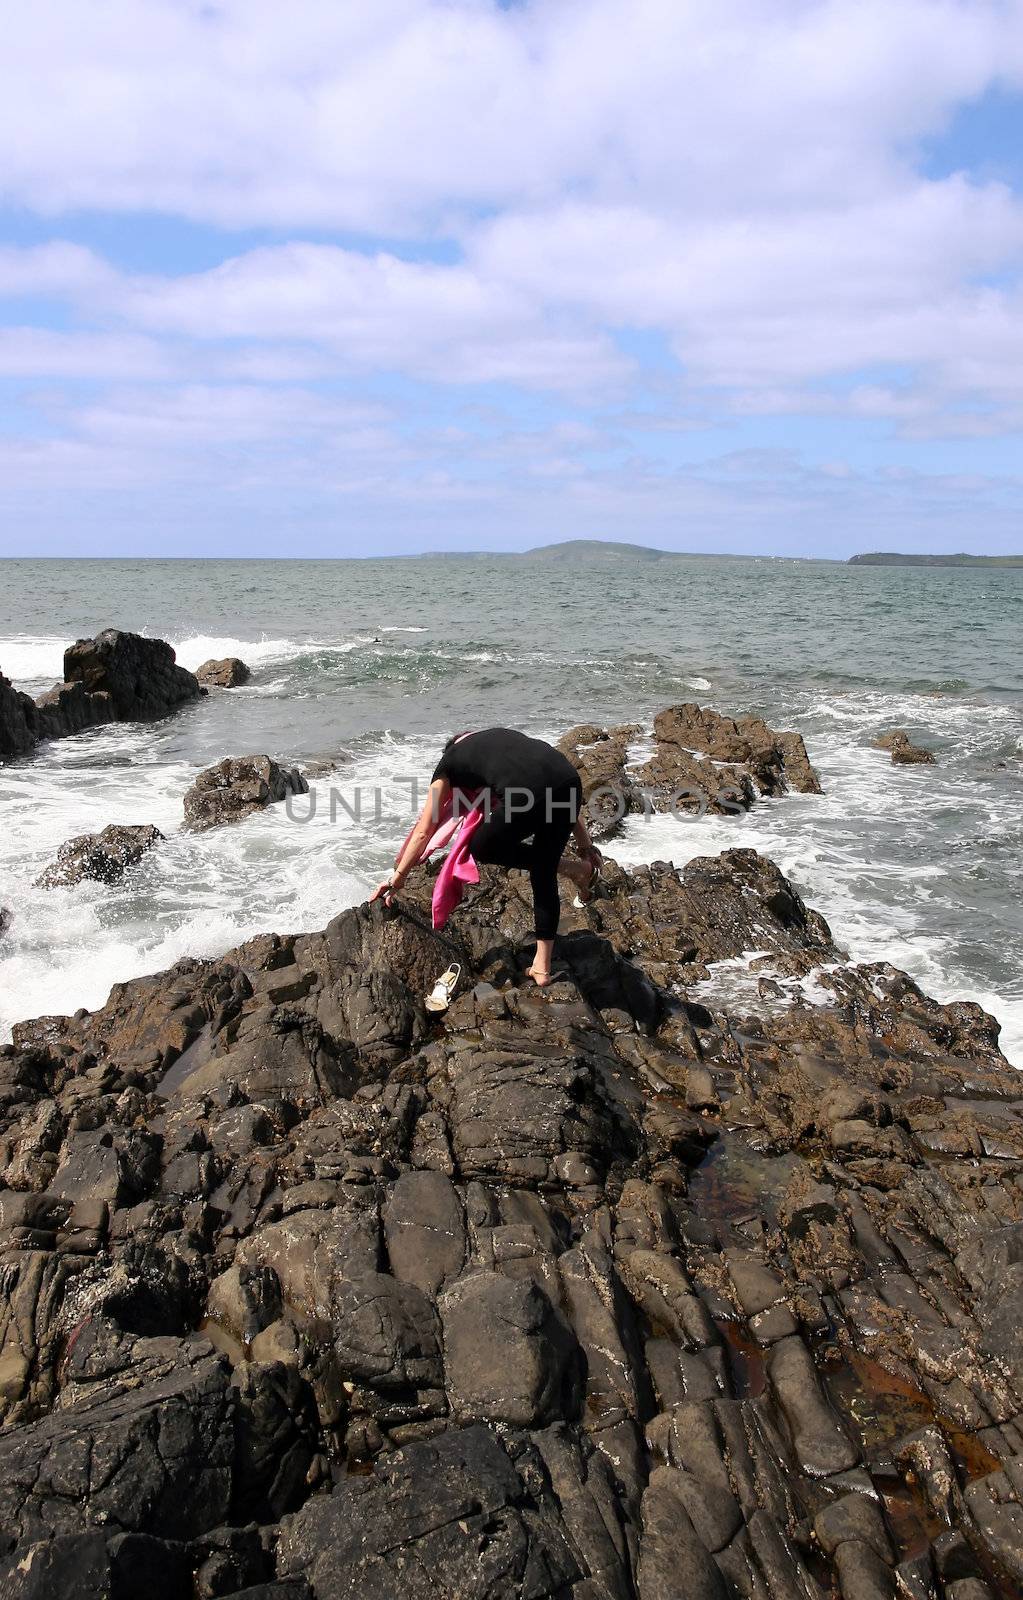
[[140, 675], [103, 857], [155, 1458], [904, 752], [71, 708], [235, 788], [5, 920], [661, 1281], [486, 1311], [462, 1515], [116, 677], [229, 673], [600, 756], [18, 720]]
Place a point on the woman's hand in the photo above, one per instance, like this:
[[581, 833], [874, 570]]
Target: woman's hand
[[384, 891], [415, 842]]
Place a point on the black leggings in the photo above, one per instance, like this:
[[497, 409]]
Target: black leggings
[[505, 841]]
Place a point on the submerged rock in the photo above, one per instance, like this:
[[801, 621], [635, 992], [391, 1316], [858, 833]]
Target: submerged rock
[[103, 857], [229, 673], [235, 788], [617, 1289], [904, 753]]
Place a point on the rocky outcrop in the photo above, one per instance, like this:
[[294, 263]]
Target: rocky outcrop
[[696, 1273], [776, 762], [601, 756], [904, 752], [116, 677], [103, 857], [235, 788], [5, 920], [699, 762], [17, 720], [229, 673]]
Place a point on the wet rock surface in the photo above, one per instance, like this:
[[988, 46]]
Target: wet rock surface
[[228, 673], [102, 857], [641, 1286], [116, 677], [17, 720], [695, 760], [235, 788], [903, 751]]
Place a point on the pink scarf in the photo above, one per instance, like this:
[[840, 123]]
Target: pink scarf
[[459, 868]]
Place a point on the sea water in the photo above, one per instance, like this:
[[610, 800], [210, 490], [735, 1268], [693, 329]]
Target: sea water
[[363, 667]]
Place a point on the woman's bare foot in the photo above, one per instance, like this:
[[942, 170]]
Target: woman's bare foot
[[541, 976]]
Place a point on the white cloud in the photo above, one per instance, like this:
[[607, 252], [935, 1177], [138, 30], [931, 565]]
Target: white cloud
[[354, 312], [442, 322], [60, 269], [27, 352], [405, 114], [514, 197]]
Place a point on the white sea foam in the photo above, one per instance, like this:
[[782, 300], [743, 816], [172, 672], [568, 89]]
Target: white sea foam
[[735, 984], [195, 894], [256, 653], [32, 657], [39, 658]]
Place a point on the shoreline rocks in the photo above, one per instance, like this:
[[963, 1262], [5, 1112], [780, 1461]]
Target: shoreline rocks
[[229, 673], [237, 787], [17, 720], [116, 677], [700, 761], [601, 1292], [103, 857]]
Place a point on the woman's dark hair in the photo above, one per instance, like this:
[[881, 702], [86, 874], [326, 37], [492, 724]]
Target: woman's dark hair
[[453, 740]]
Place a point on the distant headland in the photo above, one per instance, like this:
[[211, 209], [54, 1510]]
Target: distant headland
[[892, 558], [602, 549], [592, 550]]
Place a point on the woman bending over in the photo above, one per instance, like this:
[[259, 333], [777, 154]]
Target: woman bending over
[[533, 805]]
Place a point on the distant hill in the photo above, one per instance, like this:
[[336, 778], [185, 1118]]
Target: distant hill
[[596, 549], [566, 550], [607, 550], [891, 558]]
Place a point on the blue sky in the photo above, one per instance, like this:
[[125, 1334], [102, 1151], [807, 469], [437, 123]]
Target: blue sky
[[338, 279]]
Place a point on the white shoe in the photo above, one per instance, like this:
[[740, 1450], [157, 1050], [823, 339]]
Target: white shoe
[[440, 996]]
